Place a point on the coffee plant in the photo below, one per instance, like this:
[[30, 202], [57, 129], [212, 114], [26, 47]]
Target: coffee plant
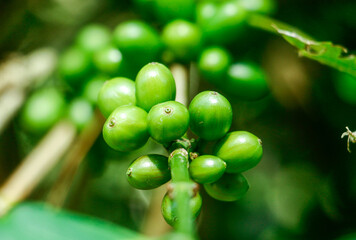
[[139, 111]]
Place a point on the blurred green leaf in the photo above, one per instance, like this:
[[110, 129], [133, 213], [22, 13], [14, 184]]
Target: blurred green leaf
[[292, 195], [324, 52], [348, 237], [37, 221]]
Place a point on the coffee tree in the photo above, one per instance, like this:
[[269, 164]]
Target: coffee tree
[[176, 76]]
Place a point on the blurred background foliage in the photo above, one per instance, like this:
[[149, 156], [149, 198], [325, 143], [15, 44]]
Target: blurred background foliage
[[305, 185]]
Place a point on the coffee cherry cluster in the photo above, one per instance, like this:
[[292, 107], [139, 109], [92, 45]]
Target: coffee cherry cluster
[[146, 108], [185, 31]]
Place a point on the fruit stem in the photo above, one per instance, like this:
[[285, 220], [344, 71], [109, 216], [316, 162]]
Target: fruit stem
[[183, 190], [179, 165], [185, 143]]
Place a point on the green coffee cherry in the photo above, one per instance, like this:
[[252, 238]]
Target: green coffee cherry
[[259, 6], [205, 11], [92, 87], [80, 112], [115, 93], [210, 115], [148, 172], [138, 42], [108, 60], [240, 150], [226, 24], [42, 110], [183, 39], [154, 84], [230, 187], [74, 66], [93, 38], [168, 121], [169, 208], [214, 63], [206, 169], [126, 128], [246, 81]]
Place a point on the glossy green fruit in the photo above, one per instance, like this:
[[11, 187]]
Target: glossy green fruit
[[260, 6], [154, 84], [230, 187], [80, 112], [74, 66], [126, 128], [210, 115], [92, 87], [138, 42], [115, 93], [148, 172], [108, 60], [205, 10], [183, 39], [240, 150], [246, 81], [206, 169], [42, 110], [226, 24], [168, 121], [174, 9], [345, 86], [214, 63], [93, 37], [169, 208]]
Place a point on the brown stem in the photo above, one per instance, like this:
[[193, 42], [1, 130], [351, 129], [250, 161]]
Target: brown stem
[[74, 158]]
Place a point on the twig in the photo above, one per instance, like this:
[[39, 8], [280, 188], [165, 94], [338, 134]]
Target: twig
[[180, 74], [154, 223], [74, 158], [36, 165], [10, 102], [194, 80]]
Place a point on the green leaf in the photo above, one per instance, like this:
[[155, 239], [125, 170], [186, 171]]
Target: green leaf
[[37, 221], [348, 237], [324, 52]]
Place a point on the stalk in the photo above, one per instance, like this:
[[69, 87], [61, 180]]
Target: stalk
[[181, 76], [182, 190]]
